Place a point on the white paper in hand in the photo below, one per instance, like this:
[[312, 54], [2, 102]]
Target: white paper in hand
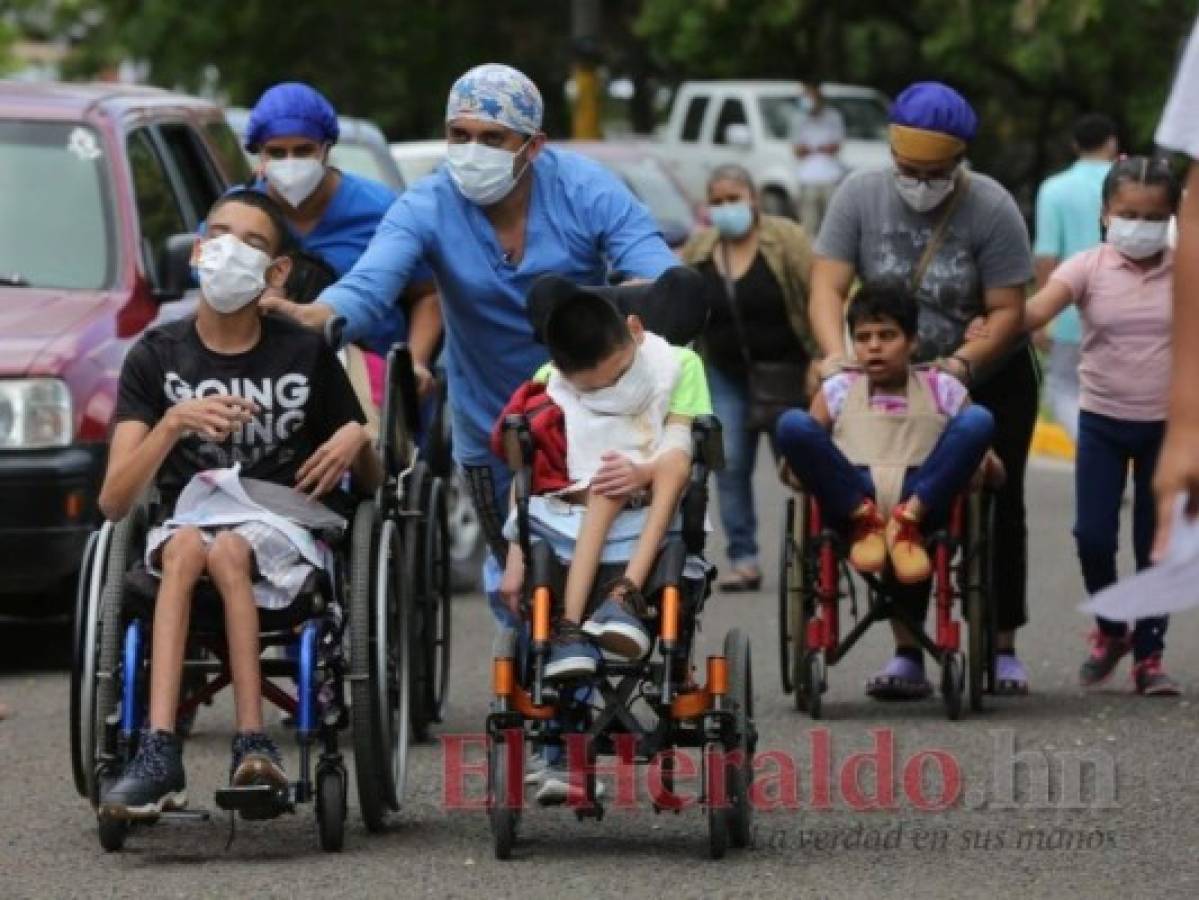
[[1170, 586]]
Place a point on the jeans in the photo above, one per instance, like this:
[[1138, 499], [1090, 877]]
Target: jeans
[[840, 486], [1061, 386], [1106, 447], [1010, 393], [734, 484]]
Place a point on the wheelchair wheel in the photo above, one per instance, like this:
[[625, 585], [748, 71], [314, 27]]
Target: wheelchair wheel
[[112, 833], [740, 775], [718, 813], [979, 600], [786, 622], [331, 809], [379, 621], [812, 683], [81, 625], [798, 574], [436, 614], [953, 677], [413, 538], [502, 816]]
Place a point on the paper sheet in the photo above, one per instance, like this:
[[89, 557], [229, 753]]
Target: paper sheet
[[1170, 586]]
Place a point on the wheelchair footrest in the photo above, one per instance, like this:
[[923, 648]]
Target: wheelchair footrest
[[256, 802], [185, 815]]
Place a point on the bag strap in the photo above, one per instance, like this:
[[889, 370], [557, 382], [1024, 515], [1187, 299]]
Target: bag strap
[[939, 232], [730, 296]]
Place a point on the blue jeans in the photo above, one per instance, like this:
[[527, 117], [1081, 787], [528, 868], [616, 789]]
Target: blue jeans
[[1106, 448], [840, 486], [734, 484]]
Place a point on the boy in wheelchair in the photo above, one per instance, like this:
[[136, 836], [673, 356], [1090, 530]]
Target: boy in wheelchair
[[884, 450], [627, 399], [226, 387]]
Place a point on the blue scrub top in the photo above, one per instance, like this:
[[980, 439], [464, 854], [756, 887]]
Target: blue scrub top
[[582, 221]]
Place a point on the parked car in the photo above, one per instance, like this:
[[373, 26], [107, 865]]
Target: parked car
[[749, 122], [361, 148], [101, 189], [417, 159], [649, 180]]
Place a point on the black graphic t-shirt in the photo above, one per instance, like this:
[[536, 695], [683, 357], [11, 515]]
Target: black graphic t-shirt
[[302, 391]]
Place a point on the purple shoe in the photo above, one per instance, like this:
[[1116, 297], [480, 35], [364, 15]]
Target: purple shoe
[[900, 679], [1011, 678]]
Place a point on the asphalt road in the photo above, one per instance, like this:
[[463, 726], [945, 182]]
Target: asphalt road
[[1133, 829]]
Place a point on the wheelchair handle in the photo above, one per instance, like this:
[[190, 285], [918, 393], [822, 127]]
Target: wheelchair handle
[[518, 442]]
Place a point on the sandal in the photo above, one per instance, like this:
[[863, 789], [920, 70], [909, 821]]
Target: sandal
[[899, 679], [742, 581]]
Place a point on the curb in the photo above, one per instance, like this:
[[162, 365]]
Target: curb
[[1051, 440]]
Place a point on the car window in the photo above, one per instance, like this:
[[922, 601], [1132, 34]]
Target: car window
[[55, 207], [778, 113], [157, 207], [732, 112], [865, 117], [694, 119], [200, 182], [364, 160], [228, 148]]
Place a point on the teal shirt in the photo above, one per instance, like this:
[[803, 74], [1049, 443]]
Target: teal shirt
[[1068, 209]]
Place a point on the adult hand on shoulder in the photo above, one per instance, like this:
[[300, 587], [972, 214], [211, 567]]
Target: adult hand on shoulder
[[619, 476], [310, 315], [213, 418], [322, 471], [1177, 476], [978, 330], [424, 379]]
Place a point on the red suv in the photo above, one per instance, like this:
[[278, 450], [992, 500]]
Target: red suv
[[101, 190]]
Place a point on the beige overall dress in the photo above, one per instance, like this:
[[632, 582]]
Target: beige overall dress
[[887, 443]]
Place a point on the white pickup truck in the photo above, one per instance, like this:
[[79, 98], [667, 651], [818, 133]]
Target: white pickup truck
[[748, 122]]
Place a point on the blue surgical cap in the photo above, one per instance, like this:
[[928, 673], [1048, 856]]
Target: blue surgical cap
[[291, 109], [933, 106], [497, 93]]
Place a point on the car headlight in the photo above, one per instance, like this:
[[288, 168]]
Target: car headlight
[[35, 413]]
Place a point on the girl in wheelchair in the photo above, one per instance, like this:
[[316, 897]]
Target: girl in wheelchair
[[885, 449], [226, 387], [627, 398]]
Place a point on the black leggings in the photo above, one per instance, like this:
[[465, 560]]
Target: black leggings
[[1011, 396]]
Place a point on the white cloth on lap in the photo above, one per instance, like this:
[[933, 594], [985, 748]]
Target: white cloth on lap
[[557, 522]]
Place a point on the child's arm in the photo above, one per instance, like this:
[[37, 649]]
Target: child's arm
[[513, 581], [348, 449], [1046, 303], [672, 470], [620, 476], [820, 411]]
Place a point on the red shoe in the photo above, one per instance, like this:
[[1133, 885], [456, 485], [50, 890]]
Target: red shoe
[[1152, 681]]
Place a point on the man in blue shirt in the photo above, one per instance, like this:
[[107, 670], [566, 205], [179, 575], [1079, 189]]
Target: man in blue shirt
[[334, 214], [503, 211], [1068, 210]]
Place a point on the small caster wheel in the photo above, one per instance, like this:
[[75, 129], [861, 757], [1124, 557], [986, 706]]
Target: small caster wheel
[[331, 809]]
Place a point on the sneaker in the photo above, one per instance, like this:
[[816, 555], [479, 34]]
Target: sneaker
[[153, 781], [905, 544], [867, 549], [1151, 680], [256, 760], [1106, 653], [617, 626], [1011, 678], [554, 787], [571, 654]]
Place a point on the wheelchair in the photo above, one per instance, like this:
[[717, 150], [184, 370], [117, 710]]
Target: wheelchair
[[815, 577], [637, 710], [355, 628]]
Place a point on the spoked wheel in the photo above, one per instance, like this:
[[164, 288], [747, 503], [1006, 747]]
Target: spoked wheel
[[799, 589], [331, 808], [82, 624], [436, 615], [503, 793], [415, 528], [813, 683], [980, 613], [786, 616], [714, 790], [379, 622], [740, 772], [952, 685]]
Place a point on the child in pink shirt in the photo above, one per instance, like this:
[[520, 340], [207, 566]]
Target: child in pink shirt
[[1122, 289]]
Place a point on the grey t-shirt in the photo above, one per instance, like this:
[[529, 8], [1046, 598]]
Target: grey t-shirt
[[869, 226]]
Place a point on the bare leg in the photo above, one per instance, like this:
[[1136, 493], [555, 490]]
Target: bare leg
[[670, 479], [229, 562], [597, 520], [182, 566]]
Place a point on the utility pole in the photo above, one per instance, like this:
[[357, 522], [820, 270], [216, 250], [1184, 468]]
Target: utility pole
[[585, 41]]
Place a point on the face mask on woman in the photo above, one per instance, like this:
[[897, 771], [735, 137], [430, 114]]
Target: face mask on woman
[[232, 273], [484, 175], [923, 196], [295, 178], [1138, 238], [629, 396], [732, 220]]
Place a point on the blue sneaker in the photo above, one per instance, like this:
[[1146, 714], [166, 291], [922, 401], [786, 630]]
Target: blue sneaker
[[571, 654], [615, 625]]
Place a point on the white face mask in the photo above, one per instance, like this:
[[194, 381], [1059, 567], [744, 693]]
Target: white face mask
[[1138, 238], [629, 396], [483, 174], [295, 178], [923, 196], [232, 273]]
